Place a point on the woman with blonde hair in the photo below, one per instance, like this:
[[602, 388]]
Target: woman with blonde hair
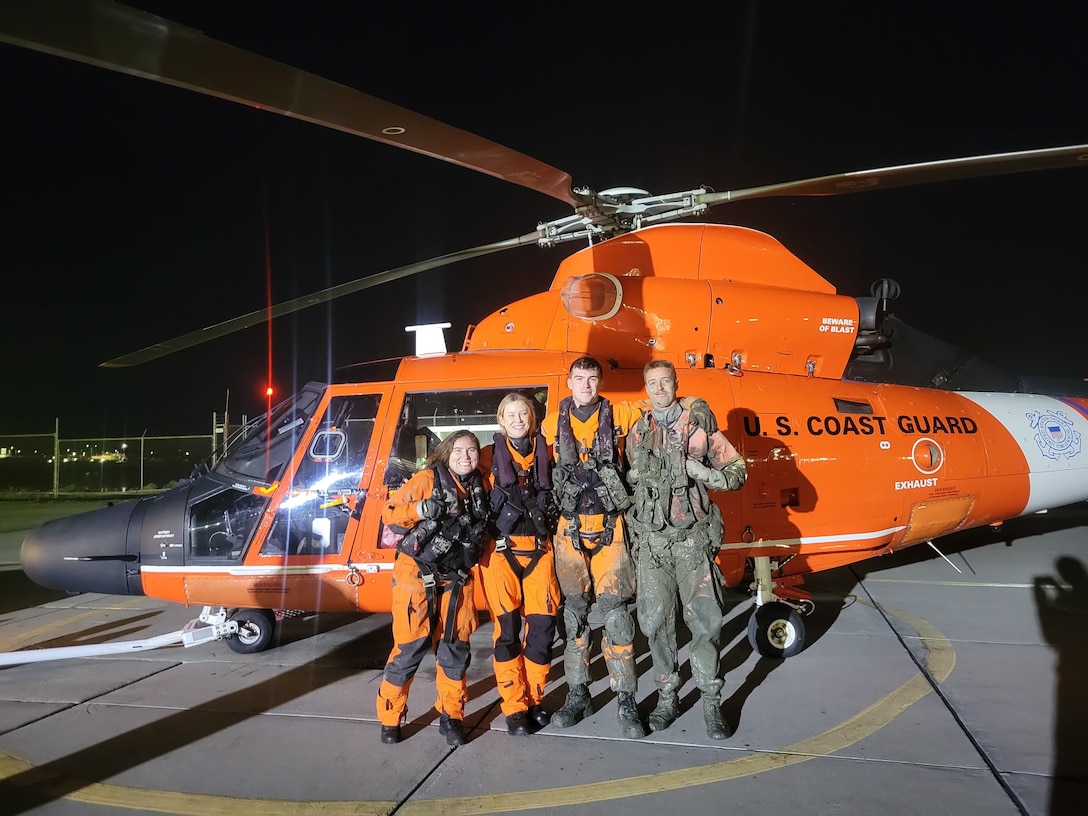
[[518, 567]]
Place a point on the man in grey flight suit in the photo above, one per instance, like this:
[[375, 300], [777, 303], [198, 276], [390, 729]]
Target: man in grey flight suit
[[676, 453]]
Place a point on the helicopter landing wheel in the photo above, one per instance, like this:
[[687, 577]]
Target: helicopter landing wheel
[[776, 630], [255, 627]]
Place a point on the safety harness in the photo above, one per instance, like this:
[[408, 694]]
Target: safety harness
[[521, 500], [587, 478], [659, 455], [447, 547]]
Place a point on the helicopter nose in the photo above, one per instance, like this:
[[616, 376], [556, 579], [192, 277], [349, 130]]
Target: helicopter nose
[[96, 551]]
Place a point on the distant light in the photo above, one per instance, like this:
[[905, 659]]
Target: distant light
[[268, 391]]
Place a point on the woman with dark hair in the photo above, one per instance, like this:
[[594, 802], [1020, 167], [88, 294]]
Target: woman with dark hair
[[441, 516], [518, 570]]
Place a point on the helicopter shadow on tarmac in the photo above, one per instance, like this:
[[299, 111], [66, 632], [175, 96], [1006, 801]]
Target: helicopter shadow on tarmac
[[59, 778], [1061, 603]]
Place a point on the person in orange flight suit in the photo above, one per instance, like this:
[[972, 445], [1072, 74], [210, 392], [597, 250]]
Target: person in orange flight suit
[[592, 559], [441, 514], [518, 567]]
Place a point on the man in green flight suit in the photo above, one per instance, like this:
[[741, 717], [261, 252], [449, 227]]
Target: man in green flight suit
[[676, 453]]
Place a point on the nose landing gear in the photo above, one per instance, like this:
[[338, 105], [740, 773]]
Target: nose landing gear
[[253, 627]]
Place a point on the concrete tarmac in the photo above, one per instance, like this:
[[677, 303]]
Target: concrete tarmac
[[922, 690]]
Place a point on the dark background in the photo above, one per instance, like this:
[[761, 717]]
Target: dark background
[[133, 212]]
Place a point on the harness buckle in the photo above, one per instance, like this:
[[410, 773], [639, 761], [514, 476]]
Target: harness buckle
[[501, 544], [428, 579]]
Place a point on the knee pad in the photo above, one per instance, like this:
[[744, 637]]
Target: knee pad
[[539, 638], [619, 626], [508, 643], [576, 622]]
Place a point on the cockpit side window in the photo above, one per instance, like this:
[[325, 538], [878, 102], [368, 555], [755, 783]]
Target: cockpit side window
[[312, 519], [267, 444], [221, 525]]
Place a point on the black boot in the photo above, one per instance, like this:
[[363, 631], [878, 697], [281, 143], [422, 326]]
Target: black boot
[[538, 716], [390, 734], [628, 716], [665, 712], [453, 729], [578, 706], [716, 727], [517, 724]]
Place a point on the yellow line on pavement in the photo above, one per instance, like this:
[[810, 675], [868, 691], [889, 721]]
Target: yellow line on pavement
[[940, 660]]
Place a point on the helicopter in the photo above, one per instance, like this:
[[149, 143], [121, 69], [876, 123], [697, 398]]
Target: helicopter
[[862, 437]]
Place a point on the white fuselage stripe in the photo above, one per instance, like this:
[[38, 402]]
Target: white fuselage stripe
[[238, 569]]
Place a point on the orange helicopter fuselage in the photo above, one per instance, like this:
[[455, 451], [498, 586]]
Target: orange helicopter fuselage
[[839, 471]]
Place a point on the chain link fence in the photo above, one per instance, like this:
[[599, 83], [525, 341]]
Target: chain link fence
[[49, 464]]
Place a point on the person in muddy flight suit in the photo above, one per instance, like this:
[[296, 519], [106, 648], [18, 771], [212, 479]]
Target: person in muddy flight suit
[[676, 453], [592, 561]]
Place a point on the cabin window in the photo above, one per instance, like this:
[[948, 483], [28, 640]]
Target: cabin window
[[428, 417], [313, 517]]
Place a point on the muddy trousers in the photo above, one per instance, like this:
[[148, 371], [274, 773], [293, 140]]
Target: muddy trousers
[[666, 571], [607, 575]]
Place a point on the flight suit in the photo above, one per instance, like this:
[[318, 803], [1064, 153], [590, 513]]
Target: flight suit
[[518, 573], [592, 559], [678, 532], [423, 619]]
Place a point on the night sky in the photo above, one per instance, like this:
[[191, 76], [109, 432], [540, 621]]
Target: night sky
[[134, 212]]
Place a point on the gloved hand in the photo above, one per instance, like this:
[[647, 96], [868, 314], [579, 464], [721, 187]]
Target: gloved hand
[[703, 417], [736, 474], [428, 508], [697, 470], [711, 477]]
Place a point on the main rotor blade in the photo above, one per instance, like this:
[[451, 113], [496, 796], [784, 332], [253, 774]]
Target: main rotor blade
[[995, 164], [120, 38], [255, 318]]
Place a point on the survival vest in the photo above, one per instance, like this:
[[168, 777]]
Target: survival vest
[[658, 464], [593, 486], [449, 546], [522, 502]]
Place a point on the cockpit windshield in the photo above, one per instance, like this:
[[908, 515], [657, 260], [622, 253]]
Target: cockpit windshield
[[262, 448]]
